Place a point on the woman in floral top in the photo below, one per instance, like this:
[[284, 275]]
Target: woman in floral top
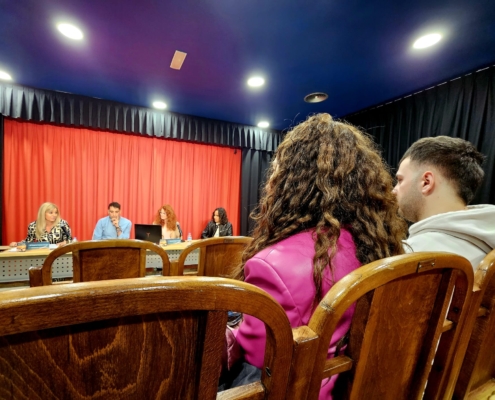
[[48, 227]]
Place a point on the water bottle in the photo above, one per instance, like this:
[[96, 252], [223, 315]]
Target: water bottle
[[189, 237], [74, 240]]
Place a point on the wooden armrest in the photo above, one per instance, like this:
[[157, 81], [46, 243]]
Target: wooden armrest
[[254, 391], [336, 365], [35, 276]]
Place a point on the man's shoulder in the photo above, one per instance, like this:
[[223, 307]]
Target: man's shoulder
[[125, 220]]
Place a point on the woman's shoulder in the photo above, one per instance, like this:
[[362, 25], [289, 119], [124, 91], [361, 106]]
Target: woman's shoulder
[[32, 224], [300, 246], [63, 222]]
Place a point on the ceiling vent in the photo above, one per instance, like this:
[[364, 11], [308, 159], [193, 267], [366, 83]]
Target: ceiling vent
[[316, 97], [178, 60]]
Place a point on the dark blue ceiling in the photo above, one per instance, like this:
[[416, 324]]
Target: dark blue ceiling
[[359, 52]]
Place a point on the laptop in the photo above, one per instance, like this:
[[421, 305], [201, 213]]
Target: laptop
[[151, 233]]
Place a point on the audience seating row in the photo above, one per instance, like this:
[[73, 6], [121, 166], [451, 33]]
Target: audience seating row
[[96, 260], [423, 328]]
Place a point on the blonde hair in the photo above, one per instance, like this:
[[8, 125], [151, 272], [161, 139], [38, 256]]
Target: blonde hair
[[41, 220]]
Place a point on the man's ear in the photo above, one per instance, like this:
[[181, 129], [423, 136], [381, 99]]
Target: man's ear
[[428, 183]]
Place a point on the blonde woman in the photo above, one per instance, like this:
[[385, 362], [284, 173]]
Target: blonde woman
[[48, 227]]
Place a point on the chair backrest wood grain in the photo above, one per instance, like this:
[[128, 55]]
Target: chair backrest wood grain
[[153, 337], [405, 306], [95, 260], [476, 348], [218, 256]]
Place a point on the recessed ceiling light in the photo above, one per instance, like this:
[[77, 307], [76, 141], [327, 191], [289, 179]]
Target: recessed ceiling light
[[427, 41], [71, 31], [160, 105], [5, 76], [315, 97], [256, 81], [263, 124]]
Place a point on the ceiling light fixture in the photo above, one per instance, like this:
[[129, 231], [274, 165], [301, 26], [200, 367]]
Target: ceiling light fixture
[[71, 31], [256, 81], [427, 40], [263, 124], [5, 76], [160, 105], [315, 97]]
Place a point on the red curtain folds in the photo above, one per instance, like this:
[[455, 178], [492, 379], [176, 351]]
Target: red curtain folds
[[83, 170]]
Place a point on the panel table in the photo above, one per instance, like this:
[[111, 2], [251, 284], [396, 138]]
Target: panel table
[[14, 266]]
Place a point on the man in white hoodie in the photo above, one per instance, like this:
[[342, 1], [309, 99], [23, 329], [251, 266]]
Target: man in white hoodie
[[436, 180]]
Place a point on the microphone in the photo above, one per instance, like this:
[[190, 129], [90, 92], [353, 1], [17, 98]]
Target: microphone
[[65, 231]]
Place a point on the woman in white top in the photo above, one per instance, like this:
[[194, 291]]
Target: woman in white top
[[165, 217]]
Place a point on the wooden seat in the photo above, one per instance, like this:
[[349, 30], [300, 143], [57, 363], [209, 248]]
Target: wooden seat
[[217, 256], [147, 338], [95, 260], [403, 310], [476, 350]]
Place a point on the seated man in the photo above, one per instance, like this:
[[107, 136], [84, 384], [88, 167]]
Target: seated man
[[436, 180], [114, 226]]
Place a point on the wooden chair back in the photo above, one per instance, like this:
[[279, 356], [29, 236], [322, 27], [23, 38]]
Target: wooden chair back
[[217, 256], [95, 260], [476, 349], [403, 311], [148, 338]]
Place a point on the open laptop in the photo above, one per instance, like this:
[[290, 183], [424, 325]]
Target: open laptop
[[151, 233]]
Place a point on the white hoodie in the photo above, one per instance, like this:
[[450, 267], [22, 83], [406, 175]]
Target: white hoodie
[[470, 233]]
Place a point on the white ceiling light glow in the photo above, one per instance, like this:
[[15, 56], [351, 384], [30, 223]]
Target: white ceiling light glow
[[256, 81], [263, 124], [427, 40], [160, 105], [5, 76], [71, 31]]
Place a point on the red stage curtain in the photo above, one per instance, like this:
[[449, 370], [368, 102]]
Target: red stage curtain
[[83, 170]]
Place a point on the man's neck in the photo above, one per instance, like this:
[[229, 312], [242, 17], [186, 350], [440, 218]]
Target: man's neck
[[441, 206]]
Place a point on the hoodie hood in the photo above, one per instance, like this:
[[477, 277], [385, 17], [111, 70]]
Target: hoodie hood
[[475, 225]]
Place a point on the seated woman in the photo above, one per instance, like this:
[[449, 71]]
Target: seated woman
[[218, 226], [48, 227], [165, 217], [327, 209]]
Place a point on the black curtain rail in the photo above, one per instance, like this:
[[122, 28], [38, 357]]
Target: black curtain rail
[[47, 106]]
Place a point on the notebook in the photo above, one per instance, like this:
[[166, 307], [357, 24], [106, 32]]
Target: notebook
[[151, 233]]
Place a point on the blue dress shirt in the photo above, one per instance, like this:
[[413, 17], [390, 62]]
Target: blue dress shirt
[[106, 230]]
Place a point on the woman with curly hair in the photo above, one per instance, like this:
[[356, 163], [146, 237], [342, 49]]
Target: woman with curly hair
[[219, 225], [327, 209], [165, 217]]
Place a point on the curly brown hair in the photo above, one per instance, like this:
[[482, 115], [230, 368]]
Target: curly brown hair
[[171, 217], [327, 175]]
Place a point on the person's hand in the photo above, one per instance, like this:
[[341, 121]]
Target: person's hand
[[62, 244], [115, 222], [13, 244]]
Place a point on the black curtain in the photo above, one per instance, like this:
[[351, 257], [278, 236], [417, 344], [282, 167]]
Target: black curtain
[[40, 105], [463, 107], [254, 166]]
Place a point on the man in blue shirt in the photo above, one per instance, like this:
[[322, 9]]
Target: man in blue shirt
[[114, 226]]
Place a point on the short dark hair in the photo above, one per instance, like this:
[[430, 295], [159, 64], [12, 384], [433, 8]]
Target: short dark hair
[[114, 204], [456, 158], [222, 214]]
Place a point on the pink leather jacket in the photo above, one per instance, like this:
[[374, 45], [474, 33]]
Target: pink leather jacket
[[285, 270]]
